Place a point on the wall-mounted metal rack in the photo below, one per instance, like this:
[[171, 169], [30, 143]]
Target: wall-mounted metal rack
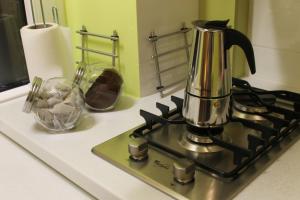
[[84, 48], [153, 38]]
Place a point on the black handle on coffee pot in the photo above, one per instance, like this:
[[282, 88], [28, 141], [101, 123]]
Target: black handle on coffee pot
[[234, 37]]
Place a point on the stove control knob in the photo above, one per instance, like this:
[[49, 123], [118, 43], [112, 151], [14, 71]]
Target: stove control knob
[[184, 171], [138, 149]]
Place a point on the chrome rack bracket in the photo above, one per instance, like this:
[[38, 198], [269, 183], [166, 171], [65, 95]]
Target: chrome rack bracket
[[84, 39], [154, 39]]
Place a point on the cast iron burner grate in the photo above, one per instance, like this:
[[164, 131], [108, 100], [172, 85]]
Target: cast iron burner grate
[[284, 121]]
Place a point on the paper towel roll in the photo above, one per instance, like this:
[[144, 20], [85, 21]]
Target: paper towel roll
[[46, 51]]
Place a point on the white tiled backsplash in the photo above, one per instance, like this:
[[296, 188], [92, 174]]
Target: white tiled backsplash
[[275, 32]]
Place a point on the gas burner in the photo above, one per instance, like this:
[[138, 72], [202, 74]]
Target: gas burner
[[249, 109], [198, 140], [201, 135], [247, 98], [189, 145], [251, 113], [252, 117]]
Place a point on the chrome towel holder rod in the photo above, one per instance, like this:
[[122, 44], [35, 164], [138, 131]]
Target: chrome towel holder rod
[[84, 38], [153, 38]]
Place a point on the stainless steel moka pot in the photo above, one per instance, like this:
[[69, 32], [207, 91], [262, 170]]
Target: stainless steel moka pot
[[208, 90]]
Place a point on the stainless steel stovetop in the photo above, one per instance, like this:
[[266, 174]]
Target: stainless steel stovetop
[[225, 162]]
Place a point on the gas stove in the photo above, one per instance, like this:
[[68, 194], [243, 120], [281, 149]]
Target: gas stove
[[188, 162]]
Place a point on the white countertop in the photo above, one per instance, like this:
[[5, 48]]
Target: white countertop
[[23, 176], [70, 154]]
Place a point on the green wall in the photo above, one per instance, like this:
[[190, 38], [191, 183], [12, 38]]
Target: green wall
[[217, 9], [104, 16]]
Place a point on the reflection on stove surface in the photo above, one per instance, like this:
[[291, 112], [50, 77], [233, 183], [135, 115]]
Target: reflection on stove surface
[[208, 163], [174, 137]]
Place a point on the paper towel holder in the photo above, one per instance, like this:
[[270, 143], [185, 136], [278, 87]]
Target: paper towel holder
[[35, 25]]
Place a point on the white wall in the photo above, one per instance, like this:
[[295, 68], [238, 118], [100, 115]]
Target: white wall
[[275, 31], [162, 17]]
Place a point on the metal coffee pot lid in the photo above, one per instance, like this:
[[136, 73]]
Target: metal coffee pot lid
[[79, 73], [215, 24], [36, 85]]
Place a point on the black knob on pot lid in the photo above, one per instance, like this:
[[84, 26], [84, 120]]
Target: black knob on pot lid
[[214, 24]]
